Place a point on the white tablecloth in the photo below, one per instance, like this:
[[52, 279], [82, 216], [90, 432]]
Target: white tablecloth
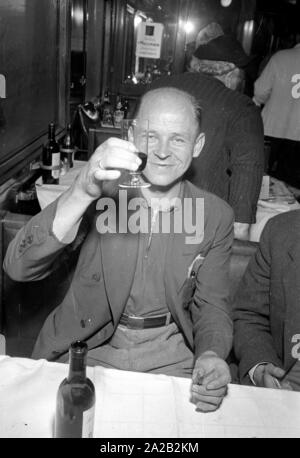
[[47, 193], [277, 200], [130, 404]]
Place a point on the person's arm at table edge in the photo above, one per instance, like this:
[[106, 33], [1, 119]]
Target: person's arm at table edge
[[253, 342]]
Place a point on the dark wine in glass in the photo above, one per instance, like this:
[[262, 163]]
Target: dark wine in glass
[[143, 157], [136, 131]]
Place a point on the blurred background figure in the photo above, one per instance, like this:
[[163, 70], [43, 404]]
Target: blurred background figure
[[219, 55], [278, 89]]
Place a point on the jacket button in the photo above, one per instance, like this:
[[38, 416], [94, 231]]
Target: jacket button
[[96, 277]]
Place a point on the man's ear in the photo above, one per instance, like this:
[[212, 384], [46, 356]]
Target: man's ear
[[200, 142]]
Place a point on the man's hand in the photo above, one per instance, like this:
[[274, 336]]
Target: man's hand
[[241, 231], [105, 165], [211, 376], [270, 376]]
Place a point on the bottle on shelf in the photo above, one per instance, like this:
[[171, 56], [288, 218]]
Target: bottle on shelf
[[107, 111], [118, 113], [51, 158], [148, 75], [125, 108], [67, 149], [75, 402]]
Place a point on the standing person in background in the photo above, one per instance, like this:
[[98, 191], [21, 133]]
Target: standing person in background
[[221, 56], [278, 89]]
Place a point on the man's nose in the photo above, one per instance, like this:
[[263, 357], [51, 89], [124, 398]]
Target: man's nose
[[163, 151]]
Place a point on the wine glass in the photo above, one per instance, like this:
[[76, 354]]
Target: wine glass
[[136, 132]]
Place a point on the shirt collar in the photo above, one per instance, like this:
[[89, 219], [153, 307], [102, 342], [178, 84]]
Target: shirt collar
[[175, 202]]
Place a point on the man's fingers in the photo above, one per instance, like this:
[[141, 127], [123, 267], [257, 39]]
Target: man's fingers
[[202, 391], [129, 162], [204, 407], [118, 143], [107, 175], [271, 382], [274, 371], [220, 381], [198, 375], [213, 400]]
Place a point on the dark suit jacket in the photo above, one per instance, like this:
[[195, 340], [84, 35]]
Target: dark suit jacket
[[267, 306], [104, 274]]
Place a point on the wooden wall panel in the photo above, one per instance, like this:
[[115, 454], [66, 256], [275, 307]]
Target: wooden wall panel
[[33, 65]]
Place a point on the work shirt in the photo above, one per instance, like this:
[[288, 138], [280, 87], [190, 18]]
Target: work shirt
[[148, 296]]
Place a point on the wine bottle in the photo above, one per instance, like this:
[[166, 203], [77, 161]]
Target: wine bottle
[[67, 149], [118, 113], [75, 403], [107, 111], [51, 158], [125, 108]]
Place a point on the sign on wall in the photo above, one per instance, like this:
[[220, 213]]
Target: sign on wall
[[149, 40]]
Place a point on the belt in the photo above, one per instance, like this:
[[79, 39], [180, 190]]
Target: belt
[[135, 322]]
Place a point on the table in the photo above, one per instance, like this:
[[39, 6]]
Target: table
[[130, 404], [47, 193], [277, 200]]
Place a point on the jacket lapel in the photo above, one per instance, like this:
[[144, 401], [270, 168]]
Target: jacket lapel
[[291, 280]]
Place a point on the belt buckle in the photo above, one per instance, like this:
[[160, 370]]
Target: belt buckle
[[135, 322]]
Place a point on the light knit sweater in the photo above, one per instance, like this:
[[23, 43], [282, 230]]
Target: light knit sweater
[[278, 88]]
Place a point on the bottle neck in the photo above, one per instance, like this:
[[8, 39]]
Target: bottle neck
[[78, 356], [51, 132]]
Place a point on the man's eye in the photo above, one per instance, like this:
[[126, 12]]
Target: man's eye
[[151, 137], [178, 141]]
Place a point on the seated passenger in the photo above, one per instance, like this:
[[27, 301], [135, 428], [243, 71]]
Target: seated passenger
[[267, 308], [150, 302]]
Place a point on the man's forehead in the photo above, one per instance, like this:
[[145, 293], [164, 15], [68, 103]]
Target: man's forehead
[[168, 93], [166, 103]]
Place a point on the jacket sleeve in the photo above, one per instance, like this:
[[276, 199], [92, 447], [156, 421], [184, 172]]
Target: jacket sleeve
[[253, 342], [245, 142], [31, 255], [210, 309]]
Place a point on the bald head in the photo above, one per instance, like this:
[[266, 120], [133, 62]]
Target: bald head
[[172, 98]]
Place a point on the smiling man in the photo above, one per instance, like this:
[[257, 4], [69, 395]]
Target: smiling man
[[150, 301]]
